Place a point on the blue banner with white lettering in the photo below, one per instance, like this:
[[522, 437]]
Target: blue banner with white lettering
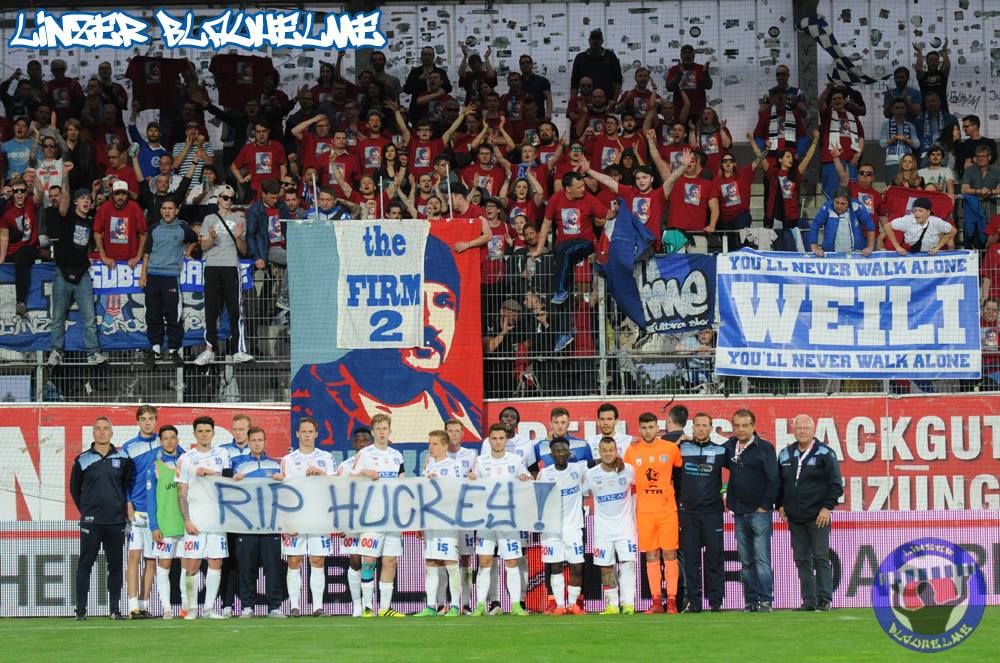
[[124, 280], [120, 309], [845, 316], [677, 292]]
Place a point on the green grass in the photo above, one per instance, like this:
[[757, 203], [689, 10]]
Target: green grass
[[841, 635]]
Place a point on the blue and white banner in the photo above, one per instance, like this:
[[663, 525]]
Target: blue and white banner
[[677, 292], [798, 316], [380, 291], [120, 314], [124, 280]]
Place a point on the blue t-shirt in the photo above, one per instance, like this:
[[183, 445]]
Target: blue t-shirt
[[142, 451], [18, 154]]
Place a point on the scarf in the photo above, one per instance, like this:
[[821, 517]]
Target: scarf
[[898, 148], [932, 127], [782, 131], [850, 123]]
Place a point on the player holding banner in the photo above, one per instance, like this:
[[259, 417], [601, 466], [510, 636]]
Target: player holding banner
[[350, 544], [466, 538], [441, 546], [203, 460], [378, 462], [560, 548], [306, 461], [166, 524], [614, 526]]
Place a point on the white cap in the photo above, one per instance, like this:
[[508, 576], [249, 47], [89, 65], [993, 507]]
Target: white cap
[[119, 185]]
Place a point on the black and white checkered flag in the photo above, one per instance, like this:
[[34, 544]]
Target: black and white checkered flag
[[845, 72]]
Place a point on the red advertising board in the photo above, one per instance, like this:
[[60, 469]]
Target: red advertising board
[[913, 453]]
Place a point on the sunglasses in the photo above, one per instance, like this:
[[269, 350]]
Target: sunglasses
[[729, 161], [19, 190], [225, 197], [866, 172], [119, 193]]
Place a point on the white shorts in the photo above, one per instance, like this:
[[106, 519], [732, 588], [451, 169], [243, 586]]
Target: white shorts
[[381, 544], [466, 543], [605, 551], [316, 545], [167, 549], [565, 548], [507, 543], [204, 546], [139, 537], [441, 545], [350, 544]]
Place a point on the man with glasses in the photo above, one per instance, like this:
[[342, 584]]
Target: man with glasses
[[965, 154], [19, 240], [982, 180], [262, 159], [752, 489], [794, 99], [223, 238]]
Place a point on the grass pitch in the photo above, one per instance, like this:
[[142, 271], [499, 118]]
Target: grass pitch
[[841, 635]]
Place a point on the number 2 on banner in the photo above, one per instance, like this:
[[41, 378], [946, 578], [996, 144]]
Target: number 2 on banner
[[384, 322]]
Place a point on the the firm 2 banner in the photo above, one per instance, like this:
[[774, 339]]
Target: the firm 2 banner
[[883, 316]]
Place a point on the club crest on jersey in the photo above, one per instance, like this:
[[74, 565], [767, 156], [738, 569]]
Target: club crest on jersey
[[218, 461], [116, 463], [663, 459], [510, 468], [574, 475], [638, 461], [622, 481]]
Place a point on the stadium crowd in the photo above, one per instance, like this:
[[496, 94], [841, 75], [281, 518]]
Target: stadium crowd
[[657, 500], [83, 182]]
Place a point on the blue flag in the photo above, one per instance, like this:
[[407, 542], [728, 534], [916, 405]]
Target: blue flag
[[629, 242]]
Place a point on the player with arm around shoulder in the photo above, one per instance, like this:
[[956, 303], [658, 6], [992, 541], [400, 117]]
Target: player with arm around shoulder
[[350, 544]]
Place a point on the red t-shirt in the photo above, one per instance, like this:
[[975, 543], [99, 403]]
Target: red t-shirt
[[689, 203], [262, 162], [490, 179], [693, 83], [370, 151], [492, 253], [275, 236], [734, 194], [127, 174], [637, 101], [783, 183], [711, 145], [462, 143], [603, 150], [991, 269], [240, 78], [870, 198], [25, 220], [422, 155], [672, 154], [574, 219], [546, 152], [637, 143], [512, 105], [375, 210], [121, 229], [154, 81], [314, 151], [647, 207], [65, 97], [347, 164], [528, 208]]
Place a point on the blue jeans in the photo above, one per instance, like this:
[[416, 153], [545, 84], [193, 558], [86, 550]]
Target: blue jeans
[[64, 294], [831, 180], [753, 541]]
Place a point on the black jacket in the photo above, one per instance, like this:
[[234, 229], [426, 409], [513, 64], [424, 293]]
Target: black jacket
[[701, 489], [98, 485], [819, 484], [753, 477]]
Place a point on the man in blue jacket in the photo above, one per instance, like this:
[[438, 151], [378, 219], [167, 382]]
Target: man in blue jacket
[[264, 225], [811, 486], [753, 487], [847, 226]]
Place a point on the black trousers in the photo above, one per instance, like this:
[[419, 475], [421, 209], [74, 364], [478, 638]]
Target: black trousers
[[222, 288], [164, 313], [92, 539], [230, 580], [255, 551], [702, 530], [811, 550], [566, 255], [23, 261]]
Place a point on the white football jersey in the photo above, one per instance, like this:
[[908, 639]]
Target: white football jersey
[[296, 463], [569, 482], [215, 459], [621, 439], [387, 462], [614, 503], [344, 469], [466, 459], [518, 444], [510, 466], [448, 468]]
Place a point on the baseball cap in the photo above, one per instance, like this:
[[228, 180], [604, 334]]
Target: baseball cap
[[81, 192], [227, 190], [119, 185], [922, 202]]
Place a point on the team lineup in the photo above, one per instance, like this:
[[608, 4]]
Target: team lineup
[[658, 497]]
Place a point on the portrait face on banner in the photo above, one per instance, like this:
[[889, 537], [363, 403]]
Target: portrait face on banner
[[440, 316]]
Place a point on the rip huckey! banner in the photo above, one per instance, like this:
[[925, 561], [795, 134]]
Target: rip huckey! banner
[[436, 378], [380, 301], [120, 309], [885, 316], [324, 504]]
